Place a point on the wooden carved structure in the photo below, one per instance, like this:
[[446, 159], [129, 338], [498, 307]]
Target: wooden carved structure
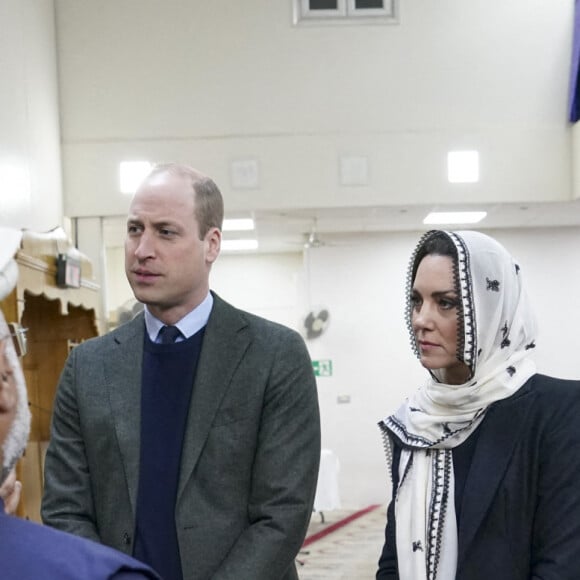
[[56, 319]]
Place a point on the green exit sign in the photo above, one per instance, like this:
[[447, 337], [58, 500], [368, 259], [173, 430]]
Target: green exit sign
[[322, 368]]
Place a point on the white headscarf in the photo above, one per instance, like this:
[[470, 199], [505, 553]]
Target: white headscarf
[[498, 332], [15, 442]]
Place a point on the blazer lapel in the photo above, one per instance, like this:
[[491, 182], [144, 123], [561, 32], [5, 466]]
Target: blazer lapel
[[123, 369], [224, 344], [501, 430]]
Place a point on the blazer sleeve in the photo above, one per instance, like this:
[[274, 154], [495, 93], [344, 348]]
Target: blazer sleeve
[[556, 532], [67, 503], [285, 470], [388, 563]]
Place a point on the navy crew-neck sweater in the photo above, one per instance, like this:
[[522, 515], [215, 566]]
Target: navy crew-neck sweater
[[166, 386]]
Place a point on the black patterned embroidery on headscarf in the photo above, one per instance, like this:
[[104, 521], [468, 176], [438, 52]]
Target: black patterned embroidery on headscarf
[[396, 426], [492, 285], [511, 370], [467, 339], [505, 340], [443, 465], [400, 429]]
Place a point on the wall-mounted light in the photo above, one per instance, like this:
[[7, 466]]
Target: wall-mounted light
[[454, 217], [132, 174]]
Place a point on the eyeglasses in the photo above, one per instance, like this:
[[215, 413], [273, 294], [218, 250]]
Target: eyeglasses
[[18, 335]]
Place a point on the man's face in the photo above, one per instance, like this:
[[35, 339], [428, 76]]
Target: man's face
[[14, 412], [166, 263]]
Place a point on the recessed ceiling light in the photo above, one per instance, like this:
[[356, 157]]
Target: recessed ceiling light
[[454, 217], [237, 245], [238, 225], [463, 166], [131, 175]]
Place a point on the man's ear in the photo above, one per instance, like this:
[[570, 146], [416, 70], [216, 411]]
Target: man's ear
[[213, 240]]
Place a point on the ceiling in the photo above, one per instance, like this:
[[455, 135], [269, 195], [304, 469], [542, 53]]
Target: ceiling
[[289, 231]]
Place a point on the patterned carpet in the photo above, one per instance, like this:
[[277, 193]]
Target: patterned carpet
[[346, 546]]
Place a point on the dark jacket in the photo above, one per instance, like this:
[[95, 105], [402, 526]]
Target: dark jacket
[[520, 516]]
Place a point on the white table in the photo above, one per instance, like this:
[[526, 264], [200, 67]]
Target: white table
[[327, 496]]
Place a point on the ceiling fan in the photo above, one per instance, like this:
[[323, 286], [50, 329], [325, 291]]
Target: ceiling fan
[[313, 239]]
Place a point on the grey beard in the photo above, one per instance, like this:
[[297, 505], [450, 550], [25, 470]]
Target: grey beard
[[15, 443], [17, 438], [4, 474]]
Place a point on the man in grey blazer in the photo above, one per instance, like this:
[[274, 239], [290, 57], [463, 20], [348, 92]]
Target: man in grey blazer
[[198, 454]]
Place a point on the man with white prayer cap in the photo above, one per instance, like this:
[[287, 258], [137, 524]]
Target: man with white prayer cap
[[28, 550]]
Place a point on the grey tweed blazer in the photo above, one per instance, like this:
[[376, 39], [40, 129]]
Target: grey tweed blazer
[[250, 454]]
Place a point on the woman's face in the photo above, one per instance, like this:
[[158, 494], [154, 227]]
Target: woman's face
[[434, 304]]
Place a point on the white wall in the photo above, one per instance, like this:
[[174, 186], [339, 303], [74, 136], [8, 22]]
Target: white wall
[[362, 284], [29, 117], [210, 82], [117, 290], [266, 284]]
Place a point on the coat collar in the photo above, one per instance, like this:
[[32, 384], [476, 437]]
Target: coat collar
[[124, 358], [225, 343]]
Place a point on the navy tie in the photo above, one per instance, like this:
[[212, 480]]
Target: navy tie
[[169, 334]]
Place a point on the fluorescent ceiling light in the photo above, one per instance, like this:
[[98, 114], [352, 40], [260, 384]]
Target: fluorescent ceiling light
[[237, 245], [132, 174], [238, 225], [463, 166], [455, 217]]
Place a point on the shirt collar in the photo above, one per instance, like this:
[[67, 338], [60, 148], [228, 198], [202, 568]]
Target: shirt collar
[[191, 323]]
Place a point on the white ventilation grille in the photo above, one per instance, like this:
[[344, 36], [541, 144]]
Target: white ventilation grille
[[345, 11]]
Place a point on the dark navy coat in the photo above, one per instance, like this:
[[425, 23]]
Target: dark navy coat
[[520, 512]]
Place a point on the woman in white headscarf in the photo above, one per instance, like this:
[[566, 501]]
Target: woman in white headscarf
[[485, 457]]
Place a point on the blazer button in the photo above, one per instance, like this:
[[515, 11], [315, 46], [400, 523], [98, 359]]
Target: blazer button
[[126, 539]]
